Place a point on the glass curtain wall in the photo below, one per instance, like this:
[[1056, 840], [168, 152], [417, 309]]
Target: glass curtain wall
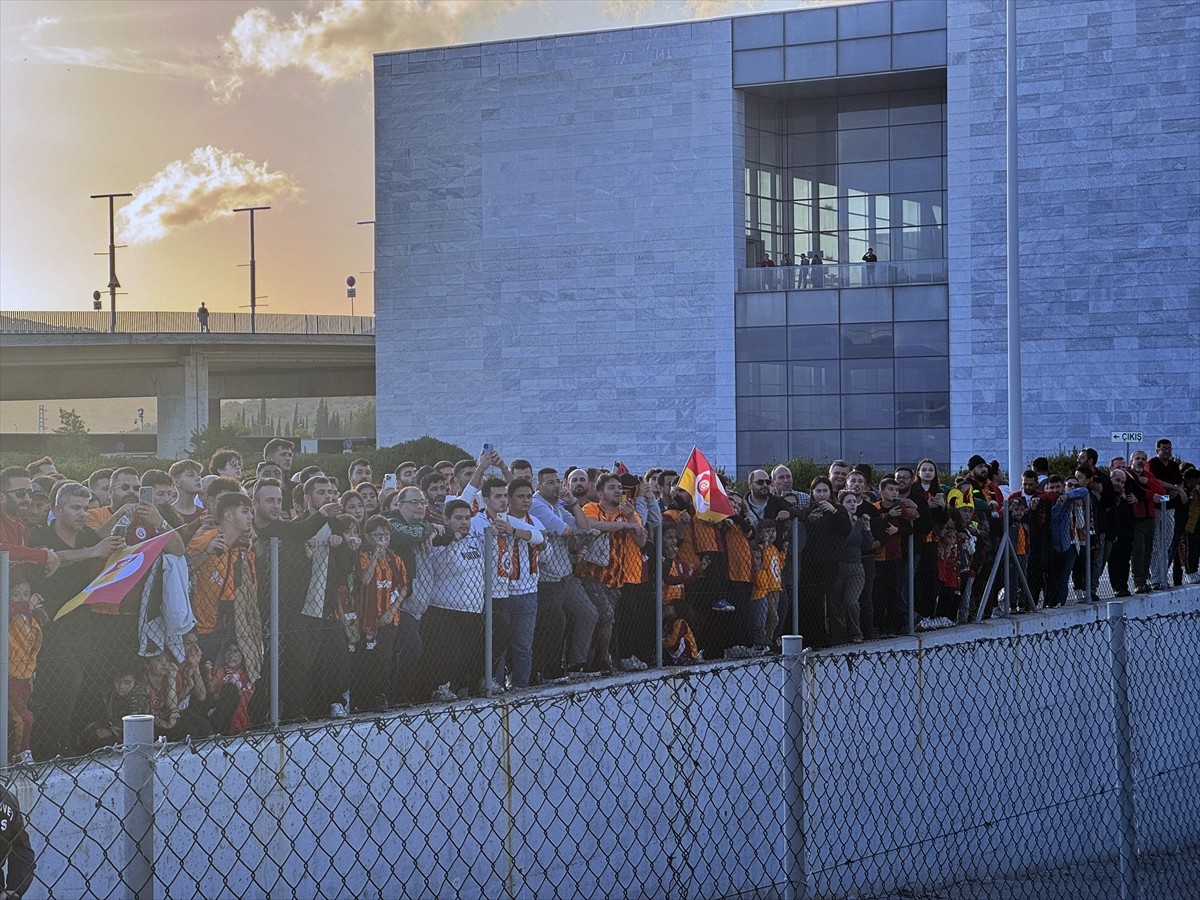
[[860, 373], [839, 175]]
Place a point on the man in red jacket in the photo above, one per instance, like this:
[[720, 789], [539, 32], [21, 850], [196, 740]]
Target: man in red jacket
[[1147, 489], [16, 489]]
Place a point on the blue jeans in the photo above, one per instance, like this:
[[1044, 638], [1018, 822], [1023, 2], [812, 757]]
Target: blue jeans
[[518, 617]]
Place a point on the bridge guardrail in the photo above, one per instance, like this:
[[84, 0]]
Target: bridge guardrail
[[166, 322]]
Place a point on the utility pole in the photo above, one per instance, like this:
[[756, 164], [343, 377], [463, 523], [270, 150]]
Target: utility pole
[[253, 286], [113, 284]]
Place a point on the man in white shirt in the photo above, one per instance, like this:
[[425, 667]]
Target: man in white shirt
[[561, 597], [514, 589]]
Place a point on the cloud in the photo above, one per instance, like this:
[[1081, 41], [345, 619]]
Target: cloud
[[335, 44], [636, 10], [201, 189]]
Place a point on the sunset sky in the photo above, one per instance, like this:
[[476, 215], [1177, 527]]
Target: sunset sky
[[198, 107]]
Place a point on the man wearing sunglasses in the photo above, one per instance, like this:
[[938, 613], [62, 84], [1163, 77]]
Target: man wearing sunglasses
[[762, 504], [16, 492]]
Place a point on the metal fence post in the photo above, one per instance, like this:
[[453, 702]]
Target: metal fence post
[[1124, 746], [658, 592], [794, 552], [1007, 606], [912, 586], [4, 713], [274, 631], [489, 576], [793, 738], [1087, 536], [137, 774]]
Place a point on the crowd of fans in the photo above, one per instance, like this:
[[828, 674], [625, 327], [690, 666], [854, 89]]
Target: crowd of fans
[[381, 587]]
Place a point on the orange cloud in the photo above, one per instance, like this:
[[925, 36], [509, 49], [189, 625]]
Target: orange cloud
[[201, 189], [336, 43]]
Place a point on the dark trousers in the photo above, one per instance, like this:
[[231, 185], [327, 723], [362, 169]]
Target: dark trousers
[[814, 590], [887, 596], [1193, 551], [313, 667], [406, 659], [866, 600], [453, 642], [1118, 563], [635, 622], [371, 670], [1143, 543], [549, 631]]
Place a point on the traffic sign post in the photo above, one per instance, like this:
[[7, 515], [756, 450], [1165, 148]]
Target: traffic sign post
[[1126, 438]]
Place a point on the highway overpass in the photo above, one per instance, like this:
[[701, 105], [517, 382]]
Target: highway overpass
[[74, 356]]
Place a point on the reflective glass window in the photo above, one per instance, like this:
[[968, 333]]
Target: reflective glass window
[[863, 111], [913, 444], [756, 379], [908, 175], [923, 373], [922, 338], [812, 341], [867, 340], [822, 446], [925, 301], [813, 149], [867, 410], [814, 411], [916, 140], [875, 446], [927, 410], [812, 307], [867, 178], [758, 448], [866, 376], [866, 304], [819, 376], [862, 144], [755, 344], [753, 309], [762, 413]]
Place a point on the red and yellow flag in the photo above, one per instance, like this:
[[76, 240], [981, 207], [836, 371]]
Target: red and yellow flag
[[124, 570], [708, 494]]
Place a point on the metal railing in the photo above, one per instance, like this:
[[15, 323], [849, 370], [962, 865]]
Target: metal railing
[[165, 322], [843, 275]]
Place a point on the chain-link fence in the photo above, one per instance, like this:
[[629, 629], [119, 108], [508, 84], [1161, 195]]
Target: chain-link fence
[[1063, 763]]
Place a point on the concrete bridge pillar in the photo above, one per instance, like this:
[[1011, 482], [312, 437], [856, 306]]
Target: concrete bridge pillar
[[183, 404]]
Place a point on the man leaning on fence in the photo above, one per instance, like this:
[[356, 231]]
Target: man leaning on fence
[[16, 852]]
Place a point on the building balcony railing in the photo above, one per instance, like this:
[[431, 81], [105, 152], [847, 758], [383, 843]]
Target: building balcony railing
[[166, 322], [842, 275]]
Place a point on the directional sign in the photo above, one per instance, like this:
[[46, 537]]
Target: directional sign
[[1127, 437]]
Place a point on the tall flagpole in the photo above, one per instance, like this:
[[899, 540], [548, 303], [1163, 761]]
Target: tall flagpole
[[1016, 453]]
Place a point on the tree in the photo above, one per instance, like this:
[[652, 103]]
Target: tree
[[70, 422]]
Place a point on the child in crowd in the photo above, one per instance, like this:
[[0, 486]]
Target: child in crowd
[[122, 700], [679, 642], [383, 582], [25, 620], [233, 690], [1018, 536], [768, 585]]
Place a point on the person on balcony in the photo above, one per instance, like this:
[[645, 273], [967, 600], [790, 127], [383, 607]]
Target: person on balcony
[[869, 270]]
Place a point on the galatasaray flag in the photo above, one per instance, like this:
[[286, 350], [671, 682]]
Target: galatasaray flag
[[125, 569], [708, 494]]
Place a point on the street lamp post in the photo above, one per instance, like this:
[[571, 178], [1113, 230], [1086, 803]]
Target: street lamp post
[[253, 286], [113, 283]]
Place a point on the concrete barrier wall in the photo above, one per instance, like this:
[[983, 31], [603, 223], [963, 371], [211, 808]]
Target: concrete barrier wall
[[957, 755]]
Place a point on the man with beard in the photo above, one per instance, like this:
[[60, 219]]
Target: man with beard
[[561, 598], [16, 491], [70, 670]]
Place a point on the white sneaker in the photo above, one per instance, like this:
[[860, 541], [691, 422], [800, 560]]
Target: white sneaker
[[1192, 578], [483, 686], [338, 711], [633, 664], [25, 758], [444, 694]]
